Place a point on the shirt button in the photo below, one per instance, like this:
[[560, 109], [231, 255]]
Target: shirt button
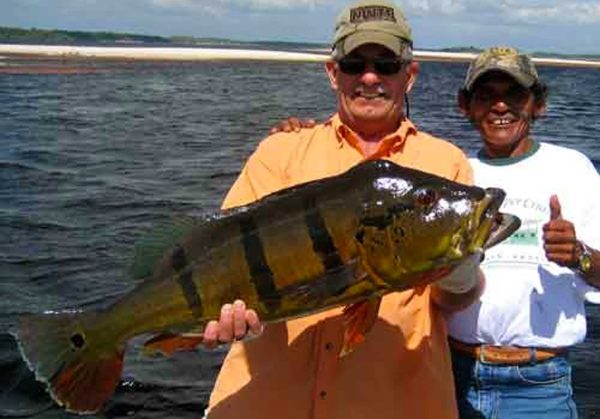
[[323, 394], [329, 346]]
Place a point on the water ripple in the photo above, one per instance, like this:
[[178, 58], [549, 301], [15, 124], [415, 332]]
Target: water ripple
[[89, 163]]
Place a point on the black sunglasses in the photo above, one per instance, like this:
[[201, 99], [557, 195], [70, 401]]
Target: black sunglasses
[[386, 66]]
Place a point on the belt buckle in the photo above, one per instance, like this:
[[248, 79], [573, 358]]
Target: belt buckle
[[532, 358], [482, 358]]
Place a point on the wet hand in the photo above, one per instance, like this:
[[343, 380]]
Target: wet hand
[[560, 240], [235, 323], [292, 124]]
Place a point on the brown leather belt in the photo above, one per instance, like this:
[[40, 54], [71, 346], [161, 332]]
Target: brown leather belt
[[506, 355]]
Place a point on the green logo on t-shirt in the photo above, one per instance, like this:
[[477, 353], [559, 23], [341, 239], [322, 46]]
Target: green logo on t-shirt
[[527, 235]]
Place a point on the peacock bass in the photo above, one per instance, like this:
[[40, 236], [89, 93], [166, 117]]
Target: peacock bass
[[343, 240]]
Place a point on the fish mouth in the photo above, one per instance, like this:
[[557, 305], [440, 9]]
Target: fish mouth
[[504, 225], [491, 203], [495, 226], [489, 208]]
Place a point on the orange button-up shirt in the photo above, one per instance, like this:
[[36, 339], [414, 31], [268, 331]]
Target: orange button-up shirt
[[402, 369]]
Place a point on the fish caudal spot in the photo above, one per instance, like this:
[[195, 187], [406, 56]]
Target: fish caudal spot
[[77, 340]]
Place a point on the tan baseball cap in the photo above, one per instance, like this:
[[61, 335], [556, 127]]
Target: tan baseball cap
[[506, 59], [372, 22]]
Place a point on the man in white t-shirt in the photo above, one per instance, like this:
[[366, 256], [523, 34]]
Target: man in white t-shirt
[[510, 348]]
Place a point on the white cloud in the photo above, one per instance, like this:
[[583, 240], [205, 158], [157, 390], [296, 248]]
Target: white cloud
[[575, 12], [516, 11], [443, 7], [173, 3], [248, 4]]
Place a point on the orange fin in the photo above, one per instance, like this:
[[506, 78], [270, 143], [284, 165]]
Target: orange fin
[[85, 386], [167, 344], [359, 318], [81, 371]]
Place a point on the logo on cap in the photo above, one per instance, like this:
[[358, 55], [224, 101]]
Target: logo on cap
[[372, 13], [506, 59]]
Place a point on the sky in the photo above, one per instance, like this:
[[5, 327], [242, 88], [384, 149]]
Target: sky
[[557, 26]]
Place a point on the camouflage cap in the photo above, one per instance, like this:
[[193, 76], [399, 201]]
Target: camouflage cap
[[372, 22], [506, 59]]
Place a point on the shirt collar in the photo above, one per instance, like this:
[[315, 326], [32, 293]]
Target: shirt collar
[[505, 161], [390, 143]]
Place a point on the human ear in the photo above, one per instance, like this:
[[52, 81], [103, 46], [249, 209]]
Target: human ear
[[332, 73], [412, 70], [540, 109]]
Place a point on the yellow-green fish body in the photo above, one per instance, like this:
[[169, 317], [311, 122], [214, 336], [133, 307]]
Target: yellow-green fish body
[[375, 229]]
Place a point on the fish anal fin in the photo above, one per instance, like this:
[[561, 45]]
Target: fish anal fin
[[167, 344], [359, 319]]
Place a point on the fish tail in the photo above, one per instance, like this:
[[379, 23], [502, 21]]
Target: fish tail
[[81, 372]]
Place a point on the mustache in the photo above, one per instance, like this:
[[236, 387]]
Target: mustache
[[376, 89]]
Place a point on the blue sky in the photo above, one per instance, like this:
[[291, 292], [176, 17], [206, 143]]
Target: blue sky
[[560, 26]]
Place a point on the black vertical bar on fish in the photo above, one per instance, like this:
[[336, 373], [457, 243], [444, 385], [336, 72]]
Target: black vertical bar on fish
[[185, 278], [260, 272], [323, 244]]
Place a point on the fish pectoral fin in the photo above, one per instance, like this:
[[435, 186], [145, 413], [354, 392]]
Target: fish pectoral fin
[[168, 343], [359, 319]]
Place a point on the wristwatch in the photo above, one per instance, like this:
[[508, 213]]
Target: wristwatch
[[584, 261]]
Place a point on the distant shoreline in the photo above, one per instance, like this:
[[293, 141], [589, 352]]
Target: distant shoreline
[[75, 53], [61, 37], [69, 52]]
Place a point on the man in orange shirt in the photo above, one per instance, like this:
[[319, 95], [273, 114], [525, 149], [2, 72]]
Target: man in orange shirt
[[403, 367]]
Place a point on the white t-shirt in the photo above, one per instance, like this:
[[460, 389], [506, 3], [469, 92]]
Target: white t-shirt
[[529, 301]]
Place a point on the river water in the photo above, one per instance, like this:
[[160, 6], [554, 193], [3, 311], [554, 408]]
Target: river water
[[90, 160]]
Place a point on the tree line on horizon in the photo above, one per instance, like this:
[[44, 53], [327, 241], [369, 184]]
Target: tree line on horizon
[[58, 36], [13, 35], [55, 36]]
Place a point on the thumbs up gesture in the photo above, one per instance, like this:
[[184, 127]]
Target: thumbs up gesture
[[560, 240]]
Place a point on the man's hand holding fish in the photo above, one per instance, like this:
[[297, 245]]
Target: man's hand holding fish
[[235, 321]]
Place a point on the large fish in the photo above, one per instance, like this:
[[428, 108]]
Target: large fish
[[343, 240]]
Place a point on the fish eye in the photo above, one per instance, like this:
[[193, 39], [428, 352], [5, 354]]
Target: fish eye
[[425, 196]]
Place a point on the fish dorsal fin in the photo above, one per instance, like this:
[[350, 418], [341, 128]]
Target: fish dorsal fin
[[150, 249]]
